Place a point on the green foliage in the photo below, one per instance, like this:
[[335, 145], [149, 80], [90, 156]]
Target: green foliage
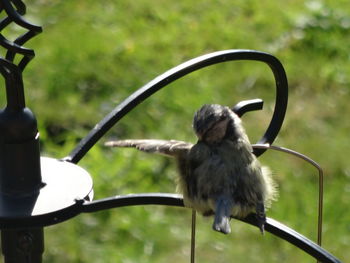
[[93, 54]]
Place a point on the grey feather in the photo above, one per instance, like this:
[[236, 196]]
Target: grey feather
[[166, 147]]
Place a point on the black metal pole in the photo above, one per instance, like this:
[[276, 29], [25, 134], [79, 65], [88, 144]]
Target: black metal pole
[[23, 245], [20, 177], [20, 172]]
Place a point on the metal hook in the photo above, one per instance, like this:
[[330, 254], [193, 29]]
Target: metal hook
[[320, 181]]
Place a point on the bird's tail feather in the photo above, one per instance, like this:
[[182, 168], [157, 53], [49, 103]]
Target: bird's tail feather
[[223, 212]]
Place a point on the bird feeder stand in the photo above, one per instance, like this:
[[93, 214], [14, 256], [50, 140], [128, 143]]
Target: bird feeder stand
[[38, 191]]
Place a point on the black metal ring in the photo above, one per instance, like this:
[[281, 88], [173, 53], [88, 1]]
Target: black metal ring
[[272, 226], [183, 69]]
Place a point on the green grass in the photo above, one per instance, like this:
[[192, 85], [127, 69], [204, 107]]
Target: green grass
[[93, 54]]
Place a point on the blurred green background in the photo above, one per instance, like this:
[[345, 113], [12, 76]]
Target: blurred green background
[[93, 54]]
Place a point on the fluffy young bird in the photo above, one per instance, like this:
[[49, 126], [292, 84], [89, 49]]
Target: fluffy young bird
[[219, 175]]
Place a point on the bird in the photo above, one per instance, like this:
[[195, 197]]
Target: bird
[[218, 175]]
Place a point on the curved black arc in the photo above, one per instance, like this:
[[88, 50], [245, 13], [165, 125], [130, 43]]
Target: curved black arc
[[10, 55], [4, 22], [181, 70], [42, 220], [244, 106], [14, 47], [20, 6], [133, 199], [272, 226], [17, 18]]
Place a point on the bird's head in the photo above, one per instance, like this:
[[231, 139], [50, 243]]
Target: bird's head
[[211, 121]]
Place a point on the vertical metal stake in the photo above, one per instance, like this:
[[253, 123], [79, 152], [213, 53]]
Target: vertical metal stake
[[193, 236]]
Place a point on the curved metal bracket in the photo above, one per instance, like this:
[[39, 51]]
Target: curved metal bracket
[[272, 226], [244, 106], [183, 69]]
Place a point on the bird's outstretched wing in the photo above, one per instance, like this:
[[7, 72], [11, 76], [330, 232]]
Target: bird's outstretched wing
[[166, 147]]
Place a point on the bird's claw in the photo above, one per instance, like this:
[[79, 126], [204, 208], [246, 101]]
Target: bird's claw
[[261, 223], [261, 217]]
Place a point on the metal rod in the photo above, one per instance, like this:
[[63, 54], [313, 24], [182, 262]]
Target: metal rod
[[320, 180], [193, 236]]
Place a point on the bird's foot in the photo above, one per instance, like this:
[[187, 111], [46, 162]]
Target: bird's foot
[[223, 225], [261, 216]]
